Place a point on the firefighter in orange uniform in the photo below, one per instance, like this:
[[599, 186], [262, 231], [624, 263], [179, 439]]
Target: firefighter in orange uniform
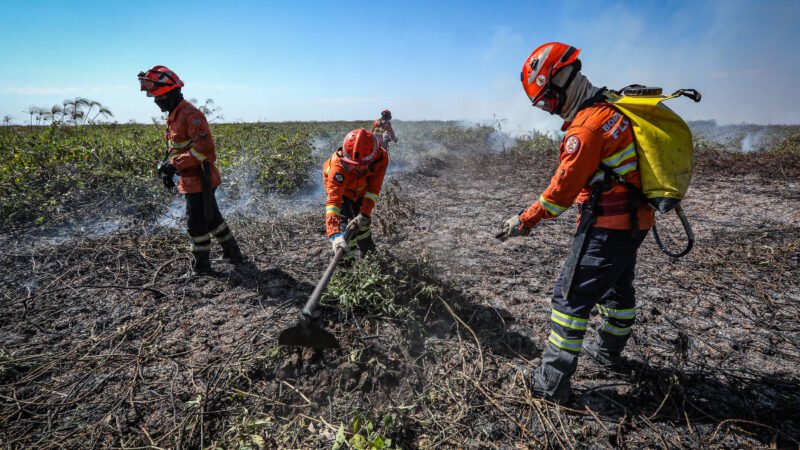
[[191, 147], [598, 163], [353, 177], [382, 128]]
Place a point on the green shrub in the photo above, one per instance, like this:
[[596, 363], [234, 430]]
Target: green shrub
[[384, 285]]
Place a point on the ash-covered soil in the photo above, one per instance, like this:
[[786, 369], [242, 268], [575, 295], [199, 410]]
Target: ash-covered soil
[[104, 345]]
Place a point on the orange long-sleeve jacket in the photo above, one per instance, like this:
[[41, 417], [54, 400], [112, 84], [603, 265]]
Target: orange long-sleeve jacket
[[190, 143], [380, 125], [341, 183], [599, 133]]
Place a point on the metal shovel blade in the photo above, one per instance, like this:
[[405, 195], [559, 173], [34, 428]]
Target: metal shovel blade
[[306, 333]]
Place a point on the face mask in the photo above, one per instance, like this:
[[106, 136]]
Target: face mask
[[170, 100], [163, 103]]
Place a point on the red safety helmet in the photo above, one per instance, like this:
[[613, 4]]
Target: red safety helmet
[[386, 114], [158, 81], [540, 68], [360, 147]]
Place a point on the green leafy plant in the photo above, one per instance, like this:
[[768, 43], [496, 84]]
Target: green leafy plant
[[366, 435], [383, 285]]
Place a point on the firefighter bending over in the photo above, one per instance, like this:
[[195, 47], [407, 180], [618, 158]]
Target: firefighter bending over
[[353, 177]]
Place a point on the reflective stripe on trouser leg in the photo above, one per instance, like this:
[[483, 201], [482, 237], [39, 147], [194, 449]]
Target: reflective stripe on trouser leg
[[200, 243], [618, 310], [222, 232], [364, 240], [364, 233], [607, 257]]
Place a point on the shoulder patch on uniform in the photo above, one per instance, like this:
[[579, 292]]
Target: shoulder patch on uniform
[[338, 177], [572, 145], [196, 122]]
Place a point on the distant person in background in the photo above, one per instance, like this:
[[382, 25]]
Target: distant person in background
[[382, 128], [191, 157], [598, 168], [353, 178]]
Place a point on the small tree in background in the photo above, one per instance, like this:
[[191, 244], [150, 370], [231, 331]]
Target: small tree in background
[[77, 111], [32, 110], [209, 109]]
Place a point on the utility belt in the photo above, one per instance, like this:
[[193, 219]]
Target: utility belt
[[612, 204]]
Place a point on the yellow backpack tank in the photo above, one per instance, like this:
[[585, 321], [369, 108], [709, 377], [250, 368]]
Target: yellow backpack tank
[[663, 143], [664, 147]]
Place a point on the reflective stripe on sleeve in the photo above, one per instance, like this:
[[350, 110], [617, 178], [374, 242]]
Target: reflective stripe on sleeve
[[576, 323], [552, 208], [332, 210], [573, 345], [372, 196]]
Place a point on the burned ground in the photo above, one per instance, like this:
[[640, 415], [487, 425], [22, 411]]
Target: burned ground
[[104, 345]]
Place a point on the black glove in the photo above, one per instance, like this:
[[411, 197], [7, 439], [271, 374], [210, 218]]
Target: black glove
[[166, 171]]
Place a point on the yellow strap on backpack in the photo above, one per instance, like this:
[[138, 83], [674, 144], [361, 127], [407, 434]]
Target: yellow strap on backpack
[[663, 144]]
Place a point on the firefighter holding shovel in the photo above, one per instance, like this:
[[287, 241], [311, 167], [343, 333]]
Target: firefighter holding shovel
[[598, 168], [353, 177], [191, 156]]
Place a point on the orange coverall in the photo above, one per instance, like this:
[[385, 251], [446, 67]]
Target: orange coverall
[[341, 183], [598, 134], [190, 143], [380, 125]]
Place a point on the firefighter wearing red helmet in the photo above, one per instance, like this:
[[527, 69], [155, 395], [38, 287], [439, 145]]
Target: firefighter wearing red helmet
[[382, 128], [599, 170], [353, 177], [191, 157]]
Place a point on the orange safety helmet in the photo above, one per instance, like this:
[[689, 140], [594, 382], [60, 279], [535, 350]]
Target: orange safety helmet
[[386, 114], [158, 81], [540, 68], [360, 147]]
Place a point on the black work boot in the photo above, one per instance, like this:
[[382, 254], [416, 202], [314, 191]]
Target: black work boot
[[606, 351], [231, 251], [201, 263], [550, 381]]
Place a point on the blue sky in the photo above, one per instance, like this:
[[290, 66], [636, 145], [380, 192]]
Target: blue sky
[[424, 60]]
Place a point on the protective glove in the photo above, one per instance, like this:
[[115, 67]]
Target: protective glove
[[166, 171], [513, 227], [337, 241], [359, 222]]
